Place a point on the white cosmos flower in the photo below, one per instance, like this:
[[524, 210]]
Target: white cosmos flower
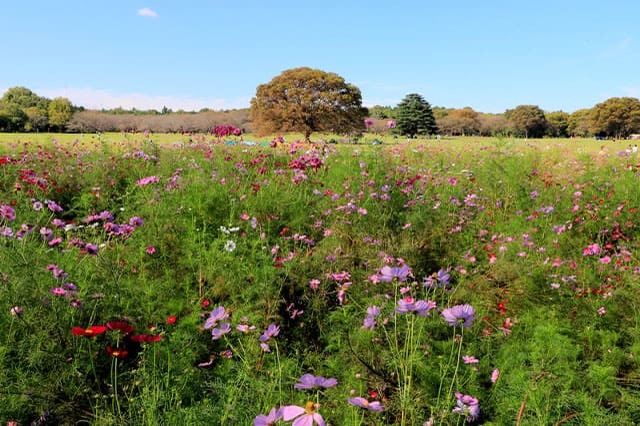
[[230, 245]]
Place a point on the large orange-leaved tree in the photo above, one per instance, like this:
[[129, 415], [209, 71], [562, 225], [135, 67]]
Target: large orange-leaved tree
[[307, 100]]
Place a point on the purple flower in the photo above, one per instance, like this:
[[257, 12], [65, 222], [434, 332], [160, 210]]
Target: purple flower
[[218, 314], [59, 223], [391, 124], [58, 273], [58, 291], [271, 331], [16, 311], [218, 332], [438, 279], [46, 233], [359, 401], [368, 122], [136, 222], [91, 249], [6, 231], [459, 315], [409, 304], [7, 212], [370, 320], [148, 180], [467, 406], [309, 381], [268, 419], [303, 416], [53, 206], [245, 328], [388, 273]]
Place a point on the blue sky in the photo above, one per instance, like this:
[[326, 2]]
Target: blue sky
[[491, 55]]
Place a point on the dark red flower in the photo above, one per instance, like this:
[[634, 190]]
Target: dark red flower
[[122, 326], [92, 331], [117, 352], [146, 338]]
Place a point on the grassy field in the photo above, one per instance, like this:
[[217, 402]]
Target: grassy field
[[180, 279]]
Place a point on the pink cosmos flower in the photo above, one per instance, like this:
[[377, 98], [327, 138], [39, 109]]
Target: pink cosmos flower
[[494, 375], [470, 359], [306, 416], [268, 419], [361, 402]]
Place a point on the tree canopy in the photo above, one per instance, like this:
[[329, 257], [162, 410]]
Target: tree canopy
[[414, 116], [307, 100], [60, 112], [463, 122], [616, 117], [557, 124], [527, 120]]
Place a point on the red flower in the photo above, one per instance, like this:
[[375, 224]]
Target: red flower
[[172, 319], [205, 303], [146, 338], [117, 352], [122, 326], [94, 330]]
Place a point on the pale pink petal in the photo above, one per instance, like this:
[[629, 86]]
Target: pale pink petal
[[305, 420], [291, 412]]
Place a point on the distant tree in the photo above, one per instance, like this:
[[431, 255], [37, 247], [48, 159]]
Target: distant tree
[[493, 124], [579, 123], [527, 121], [37, 119], [12, 118], [414, 116], [22, 110], [307, 100], [616, 117], [441, 112], [463, 122], [23, 98], [60, 112], [557, 124], [382, 112]]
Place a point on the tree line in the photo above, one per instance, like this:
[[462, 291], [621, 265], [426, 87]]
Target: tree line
[[309, 100], [613, 118], [22, 110]]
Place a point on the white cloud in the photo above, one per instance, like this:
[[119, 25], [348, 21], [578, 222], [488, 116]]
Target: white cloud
[[148, 13], [104, 99]]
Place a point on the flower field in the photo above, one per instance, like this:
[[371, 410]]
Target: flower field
[[203, 280]]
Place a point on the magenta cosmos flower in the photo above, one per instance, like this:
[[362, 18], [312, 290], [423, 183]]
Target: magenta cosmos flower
[[459, 315]]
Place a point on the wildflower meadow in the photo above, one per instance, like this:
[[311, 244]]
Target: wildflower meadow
[[208, 280]]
